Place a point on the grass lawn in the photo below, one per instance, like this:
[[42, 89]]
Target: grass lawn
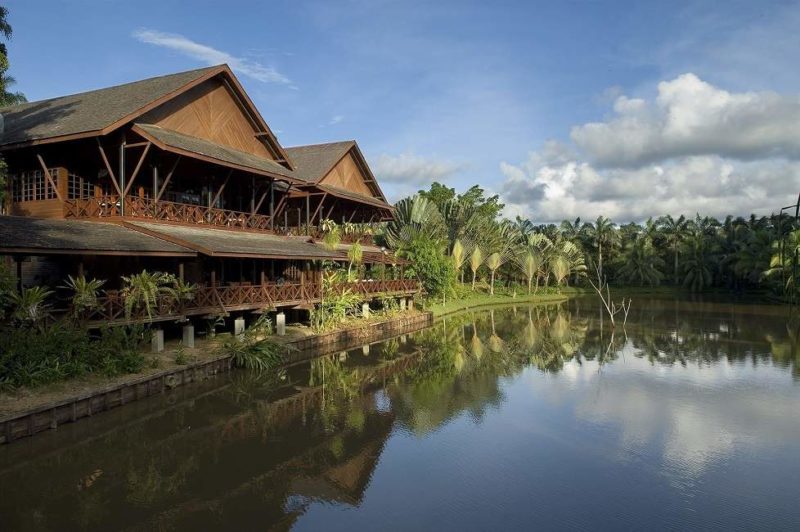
[[502, 296]]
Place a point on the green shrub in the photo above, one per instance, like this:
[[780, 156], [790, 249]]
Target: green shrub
[[62, 351]]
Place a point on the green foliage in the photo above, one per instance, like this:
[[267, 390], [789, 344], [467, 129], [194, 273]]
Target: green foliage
[[336, 306], [30, 307], [6, 81], [145, 292], [434, 270], [62, 350], [354, 256], [84, 295], [254, 349]]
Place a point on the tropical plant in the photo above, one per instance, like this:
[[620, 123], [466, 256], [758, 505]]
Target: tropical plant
[[475, 262], [84, 295], [493, 262], [354, 256], [30, 306], [142, 291]]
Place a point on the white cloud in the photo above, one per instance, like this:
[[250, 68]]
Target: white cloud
[[410, 169], [695, 148], [211, 56], [692, 117], [335, 120]]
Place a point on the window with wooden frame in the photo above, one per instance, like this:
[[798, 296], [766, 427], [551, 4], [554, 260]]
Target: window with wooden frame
[[78, 187], [33, 186]]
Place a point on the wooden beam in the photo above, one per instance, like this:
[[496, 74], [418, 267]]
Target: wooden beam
[[49, 177], [260, 201], [136, 144], [108, 167], [318, 208], [219, 192], [333, 204], [138, 167], [168, 179]]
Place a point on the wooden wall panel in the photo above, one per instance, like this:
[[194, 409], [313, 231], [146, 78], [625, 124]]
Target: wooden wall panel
[[347, 175], [38, 209], [210, 112]]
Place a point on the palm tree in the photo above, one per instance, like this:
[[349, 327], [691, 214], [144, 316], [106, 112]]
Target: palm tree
[[697, 272], [459, 256], [530, 262], [675, 232], [415, 218], [493, 262], [475, 261], [785, 261], [642, 264], [602, 234]]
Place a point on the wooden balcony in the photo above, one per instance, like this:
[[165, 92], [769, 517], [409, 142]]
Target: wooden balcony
[[219, 300], [111, 207]]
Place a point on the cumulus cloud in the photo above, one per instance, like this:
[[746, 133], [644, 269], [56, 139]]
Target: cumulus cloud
[[211, 56], [695, 148], [410, 169], [692, 117]]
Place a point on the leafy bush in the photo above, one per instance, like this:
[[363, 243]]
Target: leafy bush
[[434, 269], [253, 349], [61, 351]]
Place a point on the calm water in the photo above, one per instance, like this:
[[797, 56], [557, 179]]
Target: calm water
[[533, 417]]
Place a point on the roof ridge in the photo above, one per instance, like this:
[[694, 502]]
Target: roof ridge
[[173, 74], [350, 141]]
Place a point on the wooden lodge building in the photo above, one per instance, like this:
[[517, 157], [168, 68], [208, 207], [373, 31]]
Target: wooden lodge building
[[181, 174]]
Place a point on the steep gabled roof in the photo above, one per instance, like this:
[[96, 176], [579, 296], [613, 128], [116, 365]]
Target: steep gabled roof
[[101, 111], [91, 111], [315, 161]]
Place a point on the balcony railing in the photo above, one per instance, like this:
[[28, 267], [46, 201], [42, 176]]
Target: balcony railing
[[109, 206], [221, 299]]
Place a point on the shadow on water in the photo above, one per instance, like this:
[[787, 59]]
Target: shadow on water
[[247, 450]]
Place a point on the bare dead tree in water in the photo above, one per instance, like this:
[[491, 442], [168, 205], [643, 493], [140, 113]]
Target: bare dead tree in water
[[604, 291]]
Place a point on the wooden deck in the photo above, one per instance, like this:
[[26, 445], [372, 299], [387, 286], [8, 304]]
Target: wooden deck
[[220, 300]]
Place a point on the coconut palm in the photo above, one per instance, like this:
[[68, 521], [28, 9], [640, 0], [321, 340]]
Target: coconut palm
[[602, 234], [642, 264], [675, 232], [696, 268]]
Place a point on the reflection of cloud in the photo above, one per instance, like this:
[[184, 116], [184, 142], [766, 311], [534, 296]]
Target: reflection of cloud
[[696, 416]]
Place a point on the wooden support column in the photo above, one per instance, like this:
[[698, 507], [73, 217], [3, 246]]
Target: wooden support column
[[308, 214], [272, 205], [122, 177], [180, 270], [19, 260]]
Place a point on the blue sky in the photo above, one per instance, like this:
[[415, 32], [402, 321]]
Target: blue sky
[[565, 108]]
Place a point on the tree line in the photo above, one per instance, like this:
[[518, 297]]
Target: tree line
[[462, 237]]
